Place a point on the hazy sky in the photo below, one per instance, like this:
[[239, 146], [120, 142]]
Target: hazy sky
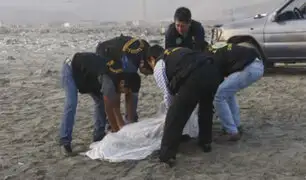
[[40, 11]]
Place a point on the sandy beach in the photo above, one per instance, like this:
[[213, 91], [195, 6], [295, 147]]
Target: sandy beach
[[273, 114]]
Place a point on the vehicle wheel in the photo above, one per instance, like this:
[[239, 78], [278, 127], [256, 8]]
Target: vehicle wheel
[[250, 45]]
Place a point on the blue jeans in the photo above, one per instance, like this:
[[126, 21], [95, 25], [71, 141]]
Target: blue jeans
[[225, 101], [71, 102]]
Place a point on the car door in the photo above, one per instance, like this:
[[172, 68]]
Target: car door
[[285, 40]]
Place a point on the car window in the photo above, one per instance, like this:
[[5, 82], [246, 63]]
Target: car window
[[294, 11]]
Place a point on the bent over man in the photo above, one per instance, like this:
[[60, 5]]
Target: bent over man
[[188, 78], [80, 74], [241, 67], [126, 54]]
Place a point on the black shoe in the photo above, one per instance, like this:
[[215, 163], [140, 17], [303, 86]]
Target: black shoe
[[66, 150], [185, 138], [240, 130], [107, 128], [206, 147], [170, 162], [98, 137], [167, 157]]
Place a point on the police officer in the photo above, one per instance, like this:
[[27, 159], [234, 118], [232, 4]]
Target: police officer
[[81, 74], [185, 32], [240, 66], [127, 52], [187, 78]]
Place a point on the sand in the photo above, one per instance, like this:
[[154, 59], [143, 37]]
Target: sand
[[272, 110]]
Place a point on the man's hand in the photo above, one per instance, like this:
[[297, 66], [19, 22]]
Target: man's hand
[[141, 65], [126, 90], [121, 86], [123, 89], [143, 69]]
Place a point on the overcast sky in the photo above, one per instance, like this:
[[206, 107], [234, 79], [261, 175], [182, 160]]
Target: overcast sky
[[40, 11]]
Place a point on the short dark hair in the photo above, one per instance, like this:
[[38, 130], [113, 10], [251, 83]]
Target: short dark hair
[[182, 14], [155, 51]]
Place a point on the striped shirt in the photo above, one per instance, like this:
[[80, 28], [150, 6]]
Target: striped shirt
[[162, 81]]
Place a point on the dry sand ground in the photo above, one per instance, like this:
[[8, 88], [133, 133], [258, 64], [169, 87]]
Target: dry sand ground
[[273, 113]]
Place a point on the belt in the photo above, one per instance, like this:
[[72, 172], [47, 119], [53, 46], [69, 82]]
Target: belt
[[68, 61]]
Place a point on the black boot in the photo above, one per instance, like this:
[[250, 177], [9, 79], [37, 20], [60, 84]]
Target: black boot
[[205, 147], [165, 157], [185, 138], [170, 162], [98, 135], [66, 150]]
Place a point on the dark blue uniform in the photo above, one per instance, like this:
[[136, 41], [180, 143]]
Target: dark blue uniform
[[195, 38]]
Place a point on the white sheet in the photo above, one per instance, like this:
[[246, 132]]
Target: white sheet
[[137, 140]]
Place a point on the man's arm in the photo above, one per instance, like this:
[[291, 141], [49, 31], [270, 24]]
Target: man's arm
[[169, 38], [112, 103], [162, 82]]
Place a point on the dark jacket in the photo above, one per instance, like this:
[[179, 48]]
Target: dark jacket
[[195, 38], [232, 58], [125, 53], [180, 63], [86, 68], [115, 49]]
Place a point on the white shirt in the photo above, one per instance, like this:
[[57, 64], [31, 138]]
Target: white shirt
[[162, 81]]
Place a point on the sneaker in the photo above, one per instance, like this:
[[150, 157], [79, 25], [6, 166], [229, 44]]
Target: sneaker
[[229, 137], [240, 130]]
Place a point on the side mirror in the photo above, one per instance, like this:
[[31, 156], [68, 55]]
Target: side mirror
[[275, 18], [284, 16]]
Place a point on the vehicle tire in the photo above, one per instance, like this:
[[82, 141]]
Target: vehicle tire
[[251, 45]]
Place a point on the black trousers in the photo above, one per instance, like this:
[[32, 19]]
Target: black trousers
[[200, 87]]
